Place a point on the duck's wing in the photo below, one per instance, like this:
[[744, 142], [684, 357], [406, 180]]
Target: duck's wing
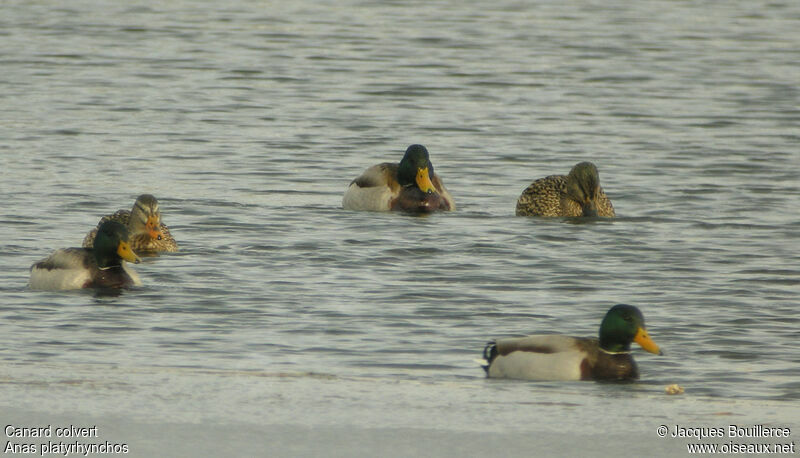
[[542, 197], [604, 207], [538, 357], [439, 185], [373, 189], [67, 268], [384, 174], [65, 258]]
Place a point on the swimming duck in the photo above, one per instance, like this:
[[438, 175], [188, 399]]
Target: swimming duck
[[410, 186], [148, 233], [576, 194], [560, 357], [101, 266]]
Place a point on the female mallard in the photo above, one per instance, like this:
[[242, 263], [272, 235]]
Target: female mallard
[[409, 186], [576, 194], [98, 267], [559, 357], [148, 233]]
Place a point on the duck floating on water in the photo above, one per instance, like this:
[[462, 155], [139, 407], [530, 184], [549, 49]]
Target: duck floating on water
[[101, 266], [148, 233], [559, 357], [410, 186], [575, 194]]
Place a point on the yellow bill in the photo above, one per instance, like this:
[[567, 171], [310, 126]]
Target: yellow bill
[[424, 180], [646, 342], [125, 252]]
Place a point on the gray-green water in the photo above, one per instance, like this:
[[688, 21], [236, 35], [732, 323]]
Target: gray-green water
[[287, 326]]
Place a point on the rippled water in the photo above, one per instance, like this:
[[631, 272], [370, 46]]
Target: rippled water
[[290, 326]]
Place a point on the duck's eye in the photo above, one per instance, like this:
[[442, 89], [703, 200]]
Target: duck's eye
[[159, 237]]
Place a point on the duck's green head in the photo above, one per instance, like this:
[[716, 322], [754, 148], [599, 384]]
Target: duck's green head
[[622, 325], [583, 186], [111, 245], [145, 217], [416, 169]]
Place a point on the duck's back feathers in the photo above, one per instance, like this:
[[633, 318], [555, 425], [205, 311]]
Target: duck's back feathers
[[544, 343], [76, 268], [141, 242]]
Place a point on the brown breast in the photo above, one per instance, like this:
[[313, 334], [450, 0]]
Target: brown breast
[[412, 199], [115, 277], [603, 366]]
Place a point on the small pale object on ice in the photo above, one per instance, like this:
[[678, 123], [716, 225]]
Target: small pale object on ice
[[674, 389]]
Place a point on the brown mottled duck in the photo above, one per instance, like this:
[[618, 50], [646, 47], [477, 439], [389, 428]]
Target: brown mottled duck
[[147, 232], [576, 194]]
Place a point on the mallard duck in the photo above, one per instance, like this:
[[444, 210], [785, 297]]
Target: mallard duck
[[148, 233], [560, 357], [576, 194], [410, 186], [101, 266]]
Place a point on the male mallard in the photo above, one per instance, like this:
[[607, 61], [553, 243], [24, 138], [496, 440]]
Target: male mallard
[[98, 267], [559, 357], [576, 194], [409, 186], [147, 231]]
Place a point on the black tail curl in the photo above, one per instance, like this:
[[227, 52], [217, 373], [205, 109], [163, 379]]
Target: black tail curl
[[489, 354]]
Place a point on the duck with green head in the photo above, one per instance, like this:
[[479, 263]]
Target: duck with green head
[[560, 357], [576, 194], [410, 186], [101, 266], [148, 233]]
